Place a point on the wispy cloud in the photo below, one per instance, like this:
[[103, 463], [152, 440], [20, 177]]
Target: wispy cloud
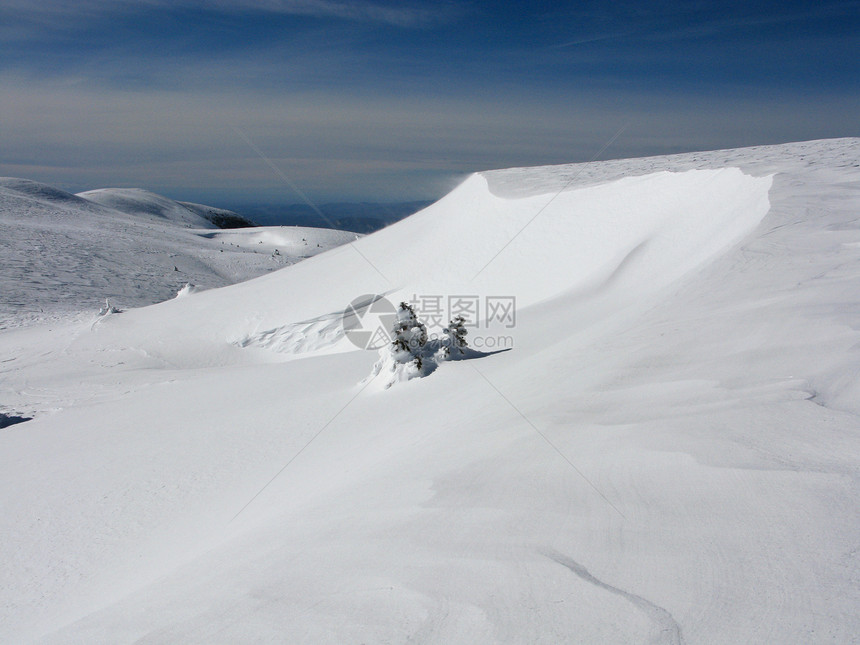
[[587, 40], [701, 21], [401, 14]]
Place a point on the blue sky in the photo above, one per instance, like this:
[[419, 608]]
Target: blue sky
[[385, 101]]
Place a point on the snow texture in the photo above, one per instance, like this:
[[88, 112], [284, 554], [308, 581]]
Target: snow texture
[[668, 454]]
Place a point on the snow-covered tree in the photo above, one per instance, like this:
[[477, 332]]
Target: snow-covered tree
[[454, 338], [410, 336], [411, 353]]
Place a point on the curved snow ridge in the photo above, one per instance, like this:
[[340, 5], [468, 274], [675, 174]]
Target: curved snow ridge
[[621, 241], [649, 230], [629, 237], [137, 201], [787, 158]]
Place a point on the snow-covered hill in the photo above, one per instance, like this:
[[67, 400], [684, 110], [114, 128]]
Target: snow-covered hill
[[668, 452], [64, 254], [143, 203], [220, 217]]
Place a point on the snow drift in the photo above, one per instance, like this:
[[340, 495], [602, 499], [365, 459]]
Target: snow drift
[[624, 240]]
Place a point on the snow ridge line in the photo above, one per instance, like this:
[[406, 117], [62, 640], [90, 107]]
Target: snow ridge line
[[662, 618]]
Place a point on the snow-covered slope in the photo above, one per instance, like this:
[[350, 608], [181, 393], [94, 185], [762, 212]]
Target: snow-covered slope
[[42, 192], [63, 254], [136, 201], [668, 453], [143, 203], [220, 217]]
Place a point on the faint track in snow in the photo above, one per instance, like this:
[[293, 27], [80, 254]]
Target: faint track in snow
[[670, 630]]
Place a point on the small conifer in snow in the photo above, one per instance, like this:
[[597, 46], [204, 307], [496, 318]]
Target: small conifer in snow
[[411, 353], [454, 339], [410, 336]]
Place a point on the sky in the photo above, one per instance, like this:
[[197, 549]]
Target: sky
[[282, 101]]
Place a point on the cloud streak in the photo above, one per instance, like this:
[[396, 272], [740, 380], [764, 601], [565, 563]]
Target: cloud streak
[[400, 14]]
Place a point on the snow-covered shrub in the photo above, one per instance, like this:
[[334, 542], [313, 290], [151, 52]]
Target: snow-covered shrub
[[454, 338], [410, 337], [411, 353]]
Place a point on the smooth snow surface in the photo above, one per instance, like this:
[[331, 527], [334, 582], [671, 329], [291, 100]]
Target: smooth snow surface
[[669, 453]]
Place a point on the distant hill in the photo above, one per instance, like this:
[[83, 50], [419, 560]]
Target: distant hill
[[63, 254], [42, 192], [136, 201], [220, 217]]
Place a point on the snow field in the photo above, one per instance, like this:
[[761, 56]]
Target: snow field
[[63, 254], [668, 454]]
